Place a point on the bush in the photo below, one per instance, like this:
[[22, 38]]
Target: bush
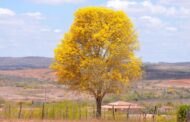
[[181, 113]]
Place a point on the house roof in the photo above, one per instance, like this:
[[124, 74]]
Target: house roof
[[166, 107], [122, 105]]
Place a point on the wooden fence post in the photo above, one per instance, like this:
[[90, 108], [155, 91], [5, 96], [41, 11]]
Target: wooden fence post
[[104, 113], [9, 110], [94, 112], [73, 112], [87, 112], [53, 111], [128, 111], [31, 112], [154, 114], [4, 111], [43, 110], [79, 109], [66, 112], [144, 116], [62, 114], [113, 112], [20, 110]]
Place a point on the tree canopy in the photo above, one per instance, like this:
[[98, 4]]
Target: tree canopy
[[97, 54]]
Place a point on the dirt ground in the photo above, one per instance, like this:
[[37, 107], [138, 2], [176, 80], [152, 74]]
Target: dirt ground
[[50, 93], [179, 83], [34, 85], [39, 84]]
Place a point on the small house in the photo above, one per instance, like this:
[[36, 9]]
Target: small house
[[123, 106]]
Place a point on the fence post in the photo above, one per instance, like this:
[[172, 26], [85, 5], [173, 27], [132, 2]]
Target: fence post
[[144, 118], [62, 114], [20, 110], [66, 112], [43, 110], [128, 111], [9, 109], [113, 112], [87, 112], [73, 112], [53, 111], [154, 114], [31, 112], [79, 109], [104, 113], [94, 112], [4, 112]]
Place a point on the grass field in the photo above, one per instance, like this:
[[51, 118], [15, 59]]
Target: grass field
[[90, 120], [72, 111], [65, 121]]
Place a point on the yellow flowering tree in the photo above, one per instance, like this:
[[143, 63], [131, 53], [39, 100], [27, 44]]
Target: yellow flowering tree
[[97, 54]]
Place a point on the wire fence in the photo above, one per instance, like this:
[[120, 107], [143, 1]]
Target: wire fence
[[63, 111]]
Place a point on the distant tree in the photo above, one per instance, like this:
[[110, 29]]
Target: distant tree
[[97, 55]]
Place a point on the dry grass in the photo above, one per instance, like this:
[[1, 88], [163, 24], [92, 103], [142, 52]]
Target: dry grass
[[94, 120]]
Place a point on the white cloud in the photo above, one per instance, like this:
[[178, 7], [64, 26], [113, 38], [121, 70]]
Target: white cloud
[[184, 3], [153, 16], [35, 15], [171, 28], [45, 30], [152, 21], [158, 9], [57, 30], [118, 4], [184, 12], [6, 12], [156, 23], [128, 6], [55, 2], [148, 7], [18, 33]]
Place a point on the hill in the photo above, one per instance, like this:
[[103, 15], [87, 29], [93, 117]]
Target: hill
[[167, 70], [152, 70], [15, 63], [26, 78]]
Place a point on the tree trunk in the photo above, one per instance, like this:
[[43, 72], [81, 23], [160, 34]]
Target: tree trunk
[[98, 107]]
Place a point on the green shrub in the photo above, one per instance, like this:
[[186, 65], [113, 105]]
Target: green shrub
[[181, 113]]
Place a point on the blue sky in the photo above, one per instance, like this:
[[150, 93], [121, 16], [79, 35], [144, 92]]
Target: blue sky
[[35, 27]]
